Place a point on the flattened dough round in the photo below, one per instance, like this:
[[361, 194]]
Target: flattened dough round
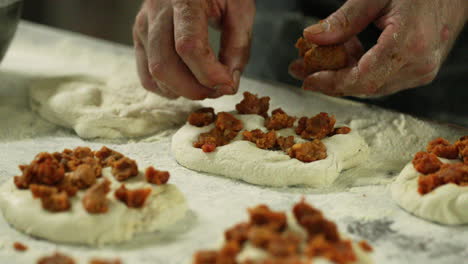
[[447, 204], [114, 108], [244, 161], [165, 206]]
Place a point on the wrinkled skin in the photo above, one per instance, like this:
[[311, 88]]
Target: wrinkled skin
[[173, 54], [416, 38]]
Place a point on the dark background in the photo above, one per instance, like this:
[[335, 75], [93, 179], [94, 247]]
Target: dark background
[[277, 26]]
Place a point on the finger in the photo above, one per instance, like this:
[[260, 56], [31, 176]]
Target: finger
[[166, 92], [346, 22], [374, 69], [192, 45], [164, 63], [236, 35]]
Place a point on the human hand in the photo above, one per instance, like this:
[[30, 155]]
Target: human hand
[[174, 57], [416, 38]]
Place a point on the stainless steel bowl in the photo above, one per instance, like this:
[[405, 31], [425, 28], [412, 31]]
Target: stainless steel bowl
[[10, 11]]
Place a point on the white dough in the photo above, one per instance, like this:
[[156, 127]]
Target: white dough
[[242, 160], [447, 204], [113, 108], [249, 252], [165, 206]]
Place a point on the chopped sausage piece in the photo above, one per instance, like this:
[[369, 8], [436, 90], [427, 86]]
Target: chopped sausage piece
[[308, 151], [279, 120], [57, 258], [284, 246], [341, 131], [449, 173], [251, 104], [226, 121], [44, 169], [238, 233], [285, 143], [132, 198], [261, 236], [95, 199], [262, 140], [227, 255], [83, 177], [313, 221], [205, 257], [56, 202], [20, 246], [340, 252], [41, 191], [442, 148], [105, 261], [462, 146], [316, 127], [263, 216], [426, 163], [226, 129], [108, 156], [124, 168], [319, 58], [202, 117], [157, 177], [365, 246]]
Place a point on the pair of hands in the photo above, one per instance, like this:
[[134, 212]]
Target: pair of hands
[[174, 57]]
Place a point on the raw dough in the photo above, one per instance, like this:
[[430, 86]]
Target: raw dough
[[165, 206], [113, 108], [243, 160], [447, 204], [254, 253]]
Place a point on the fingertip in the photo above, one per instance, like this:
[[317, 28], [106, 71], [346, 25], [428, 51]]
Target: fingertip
[[297, 69]]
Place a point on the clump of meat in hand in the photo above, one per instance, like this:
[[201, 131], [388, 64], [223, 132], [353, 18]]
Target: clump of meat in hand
[[95, 199], [462, 146], [83, 177], [124, 168], [202, 117], [57, 258], [442, 148], [262, 216], [108, 156], [262, 140], [319, 58], [226, 129], [340, 131], [308, 151], [456, 173], [157, 177], [316, 127], [285, 143], [132, 198], [279, 120], [426, 163], [44, 169], [252, 105]]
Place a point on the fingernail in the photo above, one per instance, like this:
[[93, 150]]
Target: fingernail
[[320, 27]]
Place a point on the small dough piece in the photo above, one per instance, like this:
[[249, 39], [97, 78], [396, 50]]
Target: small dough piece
[[447, 204], [114, 108], [268, 167], [164, 207]]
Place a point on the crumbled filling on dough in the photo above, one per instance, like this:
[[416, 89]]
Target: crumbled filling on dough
[[426, 163], [268, 230], [252, 105], [57, 258], [279, 120], [105, 261], [202, 117], [262, 140], [316, 127], [20, 246], [157, 177], [95, 201], [308, 151], [132, 198], [442, 148], [124, 169]]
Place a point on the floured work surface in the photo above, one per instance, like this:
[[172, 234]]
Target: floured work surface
[[365, 211]]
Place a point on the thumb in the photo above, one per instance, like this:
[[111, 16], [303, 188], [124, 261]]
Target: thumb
[[346, 22]]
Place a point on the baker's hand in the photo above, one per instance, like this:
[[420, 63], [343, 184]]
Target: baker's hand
[[416, 37], [174, 57]]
